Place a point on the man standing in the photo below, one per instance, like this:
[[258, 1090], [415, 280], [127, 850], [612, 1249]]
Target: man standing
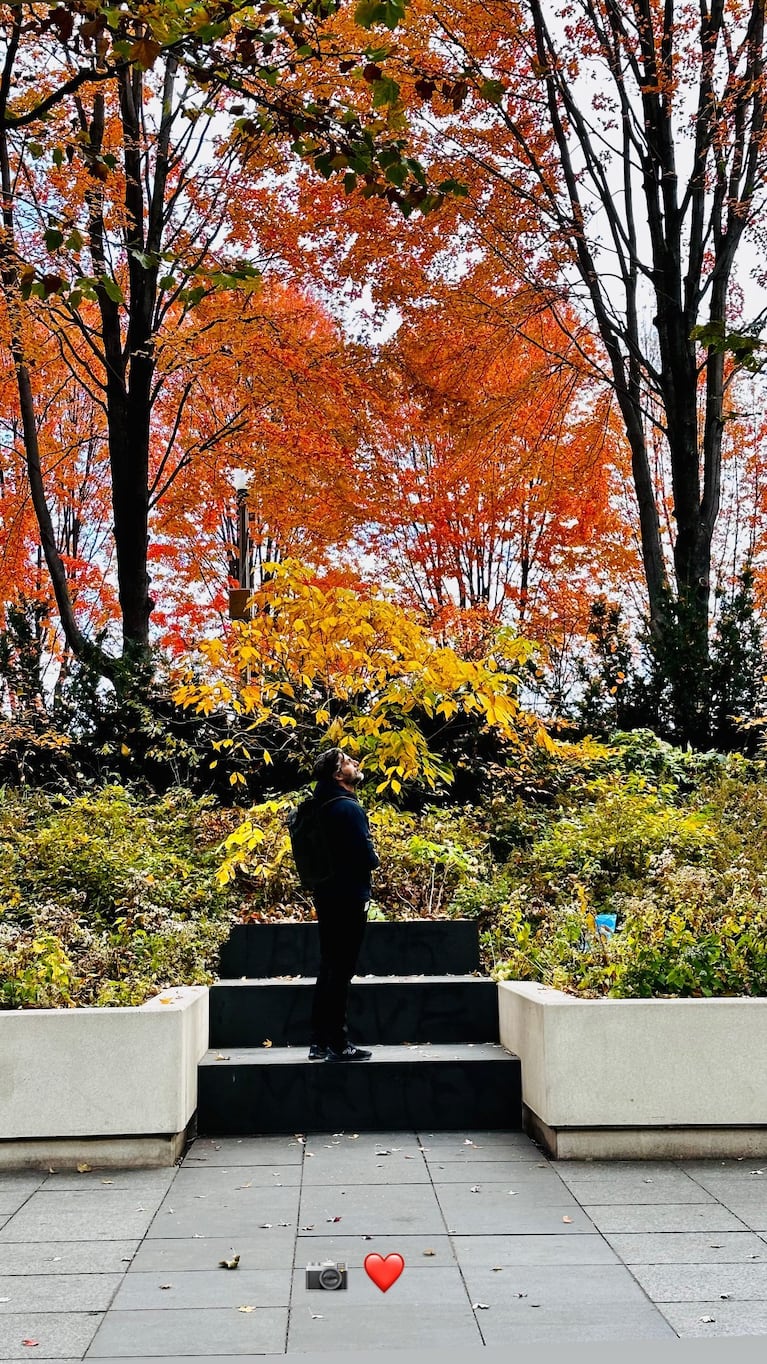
[[341, 902]]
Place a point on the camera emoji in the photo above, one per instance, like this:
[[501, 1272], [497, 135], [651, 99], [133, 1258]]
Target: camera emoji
[[326, 1274]]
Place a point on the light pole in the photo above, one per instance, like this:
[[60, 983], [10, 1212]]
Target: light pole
[[238, 596]]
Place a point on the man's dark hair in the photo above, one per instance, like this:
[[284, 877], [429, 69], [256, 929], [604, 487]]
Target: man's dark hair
[[328, 763]]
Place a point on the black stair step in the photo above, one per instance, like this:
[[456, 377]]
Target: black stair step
[[392, 1009], [408, 947], [249, 1092]]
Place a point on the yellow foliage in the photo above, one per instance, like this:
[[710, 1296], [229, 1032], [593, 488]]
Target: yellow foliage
[[306, 643]]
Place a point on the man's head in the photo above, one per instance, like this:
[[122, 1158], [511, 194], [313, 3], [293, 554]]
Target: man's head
[[335, 765]]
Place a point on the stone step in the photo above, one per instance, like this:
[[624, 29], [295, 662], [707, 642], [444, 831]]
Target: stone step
[[249, 1091], [389, 1009], [406, 947]]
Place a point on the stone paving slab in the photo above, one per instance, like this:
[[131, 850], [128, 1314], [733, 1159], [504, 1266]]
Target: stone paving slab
[[674, 1187], [177, 1255], [516, 1173], [48, 1221], [228, 1179], [57, 1292], [208, 1332], [392, 1325], [580, 1290], [495, 1208], [608, 1217], [372, 1209], [416, 1284], [118, 1181], [12, 1200], [752, 1215], [717, 1318], [66, 1334], [245, 1151], [529, 1250], [502, 1328], [230, 1216], [67, 1257], [185, 1289], [693, 1283], [352, 1250], [695, 1248], [450, 1146], [358, 1142]]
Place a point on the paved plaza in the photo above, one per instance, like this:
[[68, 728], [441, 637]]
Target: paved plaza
[[501, 1246]]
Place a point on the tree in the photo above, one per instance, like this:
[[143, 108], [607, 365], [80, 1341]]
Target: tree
[[340, 662], [613, 157], [97, 158], [496, 494]]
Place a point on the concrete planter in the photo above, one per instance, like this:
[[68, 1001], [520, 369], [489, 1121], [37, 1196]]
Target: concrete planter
[[116, 1086], [639, 1078]]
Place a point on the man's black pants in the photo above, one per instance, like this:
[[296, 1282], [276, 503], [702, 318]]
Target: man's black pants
[[342, 917]]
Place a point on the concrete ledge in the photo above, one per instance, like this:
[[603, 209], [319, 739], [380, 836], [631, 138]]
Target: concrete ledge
[[108, 1153], [639, 1078], [115, 1074]]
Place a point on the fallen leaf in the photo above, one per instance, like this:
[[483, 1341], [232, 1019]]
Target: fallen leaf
[[428, 1252], [165, 999], [567, 1219], [267, 1042], [84, 1168], [220, 1057], [229, 1264], [246, 1309]]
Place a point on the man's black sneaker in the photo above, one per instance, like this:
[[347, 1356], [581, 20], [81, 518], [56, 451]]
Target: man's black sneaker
[[317, 1052], [349, 1053]]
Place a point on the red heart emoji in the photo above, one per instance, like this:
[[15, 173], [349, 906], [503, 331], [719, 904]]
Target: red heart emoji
[[384, 1271]]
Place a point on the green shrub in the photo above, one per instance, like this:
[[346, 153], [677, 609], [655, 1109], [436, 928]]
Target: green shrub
[[105, 900], [425, 860], [684, 875]]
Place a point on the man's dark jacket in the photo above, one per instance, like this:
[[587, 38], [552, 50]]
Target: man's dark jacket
[[348, 838]]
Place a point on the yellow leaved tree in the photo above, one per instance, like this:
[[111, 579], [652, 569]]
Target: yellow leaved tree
[[320, 664]]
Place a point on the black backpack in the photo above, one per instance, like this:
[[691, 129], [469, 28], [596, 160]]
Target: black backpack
[[308, 839]]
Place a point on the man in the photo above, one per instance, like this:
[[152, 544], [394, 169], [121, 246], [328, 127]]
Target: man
[[341, 903]]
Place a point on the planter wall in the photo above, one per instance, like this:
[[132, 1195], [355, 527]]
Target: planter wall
[[91, 1084], [633, 1077]]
